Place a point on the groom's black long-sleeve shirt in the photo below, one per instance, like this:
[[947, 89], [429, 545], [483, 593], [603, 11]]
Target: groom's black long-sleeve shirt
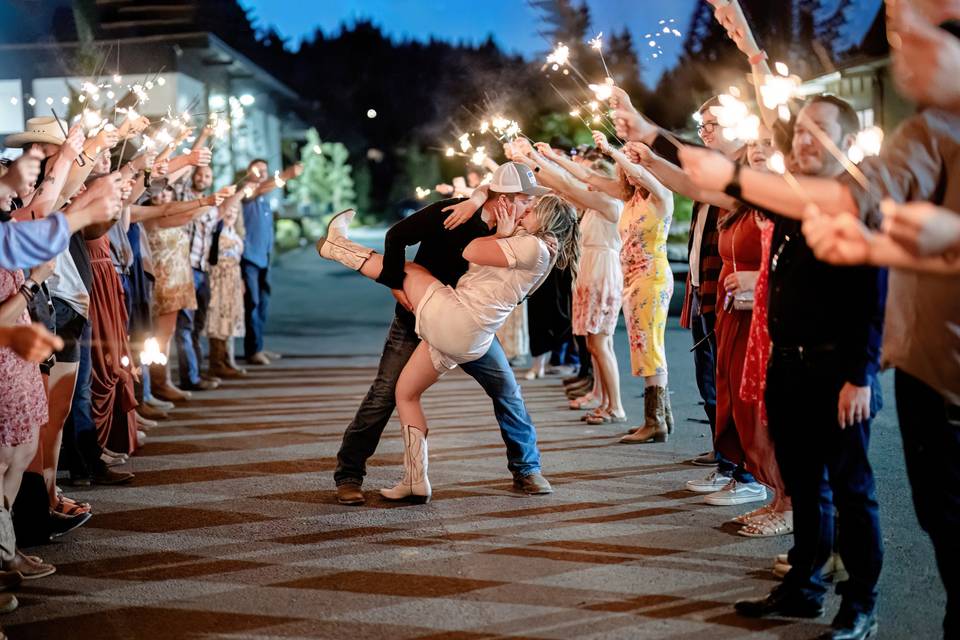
[[440, 252]]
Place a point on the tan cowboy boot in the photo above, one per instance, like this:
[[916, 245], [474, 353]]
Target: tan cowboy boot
[[415, 486], [655, 426], [219, 366], [667, 410], [335, 245]]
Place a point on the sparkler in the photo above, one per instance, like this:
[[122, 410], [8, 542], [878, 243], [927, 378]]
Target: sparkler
[[559, 57], [597, 45], [479, 156], [735, 119], [151, 353], [277, 180], [422, 193], [465, 142], [776, 91], [79, 160], [868, 143], [450, 152]]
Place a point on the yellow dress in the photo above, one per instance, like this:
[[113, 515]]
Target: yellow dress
[[647, 281]]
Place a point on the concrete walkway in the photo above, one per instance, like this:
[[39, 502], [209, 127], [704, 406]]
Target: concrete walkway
[[231, 529]]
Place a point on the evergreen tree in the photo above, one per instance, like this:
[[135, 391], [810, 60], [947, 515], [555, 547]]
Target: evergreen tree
[[325, 185]]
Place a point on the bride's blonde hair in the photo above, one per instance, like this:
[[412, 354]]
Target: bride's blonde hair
[[559, 218]]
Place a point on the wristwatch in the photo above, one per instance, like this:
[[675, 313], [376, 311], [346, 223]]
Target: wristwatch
[[733, 187], [31, 284]]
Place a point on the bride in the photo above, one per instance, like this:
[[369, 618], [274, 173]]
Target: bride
[[457, 325]]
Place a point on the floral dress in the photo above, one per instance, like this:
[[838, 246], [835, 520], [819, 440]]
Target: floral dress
[[23, 404], [647, 281], [758, 345], [174, 289], [598, 291], [225, 311]]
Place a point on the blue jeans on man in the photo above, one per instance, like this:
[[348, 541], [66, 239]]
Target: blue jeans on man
[[492, 372], [256, 300], [190, 325]]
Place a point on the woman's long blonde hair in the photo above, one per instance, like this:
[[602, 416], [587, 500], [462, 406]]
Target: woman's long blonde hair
[[559, 218]]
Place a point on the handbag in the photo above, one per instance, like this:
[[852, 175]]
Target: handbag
[[742, 300]]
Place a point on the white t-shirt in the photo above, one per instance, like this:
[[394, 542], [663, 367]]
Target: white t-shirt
[[65, 283], [491, 293]]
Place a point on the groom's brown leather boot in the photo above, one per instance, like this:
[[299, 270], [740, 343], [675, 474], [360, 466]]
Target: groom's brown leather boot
[[350, 493]]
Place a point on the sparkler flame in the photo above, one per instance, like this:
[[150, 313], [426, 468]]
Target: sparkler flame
[[479, 156], [465, 142], [735, 119], [277, 180], [450, 152], [597, 43], [422, 193], [777, 163], [559, 56], [151, 353]]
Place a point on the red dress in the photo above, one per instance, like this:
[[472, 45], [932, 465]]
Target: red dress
[[23, 403], [741, 436], [111, 387]]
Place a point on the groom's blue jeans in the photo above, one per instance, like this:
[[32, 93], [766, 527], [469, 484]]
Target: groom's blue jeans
[[492, 372]]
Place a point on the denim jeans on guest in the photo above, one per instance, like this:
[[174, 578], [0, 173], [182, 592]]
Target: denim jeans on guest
[[190, 324], [80, 431], [492, 372], [931, 444], [825, 467], [256, 300]]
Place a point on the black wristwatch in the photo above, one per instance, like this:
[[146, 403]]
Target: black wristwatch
[[32, 286], [733, 187]]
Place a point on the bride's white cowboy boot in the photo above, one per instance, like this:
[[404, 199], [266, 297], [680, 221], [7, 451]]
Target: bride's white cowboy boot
[[415, 486], [335, 245]]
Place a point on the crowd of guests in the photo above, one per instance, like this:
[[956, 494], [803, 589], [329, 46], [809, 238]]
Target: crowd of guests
[[806, 276], [100, 270]]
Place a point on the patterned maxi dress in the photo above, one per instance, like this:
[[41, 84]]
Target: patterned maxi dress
[[23, 403], [758, 346], [647, 281], [598, 291]]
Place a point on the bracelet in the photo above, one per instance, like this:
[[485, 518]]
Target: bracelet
[[26, 293], [758, 57]]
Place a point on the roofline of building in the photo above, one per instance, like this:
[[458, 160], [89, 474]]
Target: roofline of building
[[212, 40]]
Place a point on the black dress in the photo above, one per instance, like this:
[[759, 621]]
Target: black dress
[[549, 312]]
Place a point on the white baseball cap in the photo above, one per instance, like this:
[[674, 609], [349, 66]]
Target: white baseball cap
[[513, 177]]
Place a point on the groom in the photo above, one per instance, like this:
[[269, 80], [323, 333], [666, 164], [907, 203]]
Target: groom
[[441, 253]]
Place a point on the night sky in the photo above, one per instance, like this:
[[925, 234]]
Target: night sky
[[513, 23]]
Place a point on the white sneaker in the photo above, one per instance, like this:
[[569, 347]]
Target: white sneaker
[[713, 482], [737, 493]]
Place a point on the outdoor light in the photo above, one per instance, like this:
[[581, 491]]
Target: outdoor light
[[247, 100], [32, 101], [161, 81], [49, 101], [371, 113], [117, 78], [13, 101], [110, 95], [217, 102]]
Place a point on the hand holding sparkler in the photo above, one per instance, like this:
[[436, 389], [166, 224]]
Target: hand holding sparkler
[[521, 147], [731, 17], [200, 157], [72, 146], [921, 228], [619, 99], [545, 150], [160, 169], [638, 153], [840, 239], [217, 198], [630, 125], [600, 140], [926, 58], [707, 169]]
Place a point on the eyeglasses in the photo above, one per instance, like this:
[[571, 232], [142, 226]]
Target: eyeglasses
[[707, 127]]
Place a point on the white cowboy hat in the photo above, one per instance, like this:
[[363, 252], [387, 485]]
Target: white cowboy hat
[[43, 129]]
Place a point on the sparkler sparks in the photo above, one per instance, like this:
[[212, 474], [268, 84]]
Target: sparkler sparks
[[450, 152], [603, 91], [465, 144], [422, 193], [479, 156], [277, 180], [151, 353], [735, 119], [868, 143], [559, 57], [777, 163]]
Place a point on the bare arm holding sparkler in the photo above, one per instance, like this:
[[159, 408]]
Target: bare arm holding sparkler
[[176, 214], [712, 171], [31, 342], [98, 205], [178, 167], [101, 143], [633, 169], [46, 195], [278, 181], [673, 177], [554, 176], [926, 58], [730, 15], [845, 240], [604, 184]]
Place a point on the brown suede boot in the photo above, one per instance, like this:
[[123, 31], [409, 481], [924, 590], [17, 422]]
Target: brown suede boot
[[219, 365], [655, 425]]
